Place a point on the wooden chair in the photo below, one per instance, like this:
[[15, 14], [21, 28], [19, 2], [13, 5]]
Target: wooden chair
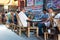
[[0, 18], [46, 34], [58, 24], [27, 29]]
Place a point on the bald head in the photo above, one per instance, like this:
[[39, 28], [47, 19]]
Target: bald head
[[50, 10]]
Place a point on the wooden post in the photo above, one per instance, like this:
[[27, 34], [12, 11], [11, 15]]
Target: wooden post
[[45, 35], [58, 36], [37, 32], [19, 5], [20, 31], [28, 32]]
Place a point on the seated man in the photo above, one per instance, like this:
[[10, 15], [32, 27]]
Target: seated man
[[8, 17], [11, 17], [15, 18], [57, 22], [23, 17], [30, 15], [45, 21]]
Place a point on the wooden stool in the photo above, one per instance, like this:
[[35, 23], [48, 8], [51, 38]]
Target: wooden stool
[[33, 28], [28, 30]]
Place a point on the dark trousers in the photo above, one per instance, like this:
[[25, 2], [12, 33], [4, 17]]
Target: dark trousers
[[41, 26]]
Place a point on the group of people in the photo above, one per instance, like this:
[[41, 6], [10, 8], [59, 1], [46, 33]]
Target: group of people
[[47, 19], [8, 17]]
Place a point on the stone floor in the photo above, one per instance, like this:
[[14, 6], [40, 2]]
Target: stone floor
[[32, 37], [7, 34]]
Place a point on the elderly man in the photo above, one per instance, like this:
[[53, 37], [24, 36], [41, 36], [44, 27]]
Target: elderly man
[[23, 17], [57, 21]]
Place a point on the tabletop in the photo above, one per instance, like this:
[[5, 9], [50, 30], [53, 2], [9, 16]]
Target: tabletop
[[34, 20]]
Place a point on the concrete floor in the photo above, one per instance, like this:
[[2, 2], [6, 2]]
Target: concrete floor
[[32, 37], [7, 34]]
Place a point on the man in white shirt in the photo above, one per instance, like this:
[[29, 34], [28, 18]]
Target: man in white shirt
[[23, 17], [57, 16], [56, 19]]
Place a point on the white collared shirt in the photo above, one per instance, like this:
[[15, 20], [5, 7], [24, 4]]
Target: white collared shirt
[[57, 16], [23, 18]]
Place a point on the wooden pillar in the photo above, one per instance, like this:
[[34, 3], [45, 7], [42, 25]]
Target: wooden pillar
[[19, 5]]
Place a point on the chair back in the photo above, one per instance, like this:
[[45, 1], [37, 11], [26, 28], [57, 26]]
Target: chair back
[[18, 20], [51, 22], [20, 23]]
